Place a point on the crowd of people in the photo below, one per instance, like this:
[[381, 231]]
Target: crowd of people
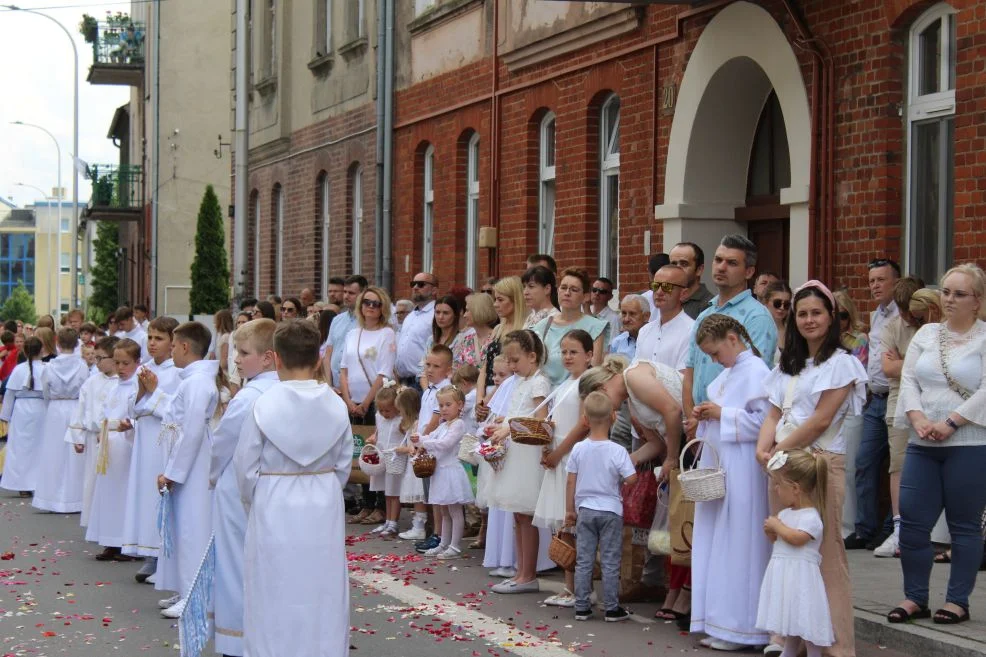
[[513, 415]]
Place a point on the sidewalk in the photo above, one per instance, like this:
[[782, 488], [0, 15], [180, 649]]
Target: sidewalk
[[877, 589]]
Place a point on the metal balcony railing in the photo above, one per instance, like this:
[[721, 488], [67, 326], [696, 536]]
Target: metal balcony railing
[[116, 187], [116, 41]]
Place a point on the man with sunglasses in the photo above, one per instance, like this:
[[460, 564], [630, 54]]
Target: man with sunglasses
[[690, 257], [340, 327], [667, 340], [871, 531], [601, 294], [416, 329]]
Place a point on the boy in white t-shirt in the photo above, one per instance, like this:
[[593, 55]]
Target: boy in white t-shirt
[[596, 470]]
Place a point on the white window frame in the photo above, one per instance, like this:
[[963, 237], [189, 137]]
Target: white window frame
[[472, 211], [357, 218], [609, 167], [324, 221], [546, 184], [428, 214], [65, 225], [938, 106], [272, 55], [328, 27], [64, 259], [279, 227], [256, 246]]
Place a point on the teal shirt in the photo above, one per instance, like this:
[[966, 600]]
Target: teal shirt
[[757, 321], [552, 337]]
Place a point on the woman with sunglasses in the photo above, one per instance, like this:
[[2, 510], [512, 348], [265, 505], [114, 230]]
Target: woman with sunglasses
[[777, 297], [291, 308]]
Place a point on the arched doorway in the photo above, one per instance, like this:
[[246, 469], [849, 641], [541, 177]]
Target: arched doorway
[[741, 103]]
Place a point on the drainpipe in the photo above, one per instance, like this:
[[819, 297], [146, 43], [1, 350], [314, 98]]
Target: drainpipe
[[241, 152], [381, 135], [494, 265], [387, 273], [157, 155]]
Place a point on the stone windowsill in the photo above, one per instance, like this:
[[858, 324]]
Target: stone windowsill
[[357, 45], [439, 13], [266, 86], [322, 63]]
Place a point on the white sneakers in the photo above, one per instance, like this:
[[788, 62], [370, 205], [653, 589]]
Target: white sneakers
[[506, 573], [510, 586], [175, 610], [167, 602], [435, 551], [413, 534], [888, 549], [564, 599], [451, 552]]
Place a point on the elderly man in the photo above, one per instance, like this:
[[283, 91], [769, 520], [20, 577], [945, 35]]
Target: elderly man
[[634, 313], [667, 340], [307, 299], [690, 257], [402, 309], [341, 325], [416, 329]]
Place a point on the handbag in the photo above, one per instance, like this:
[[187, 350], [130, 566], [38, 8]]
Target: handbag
[[943, 360], [659, 538], [681, 522], [640, 499]]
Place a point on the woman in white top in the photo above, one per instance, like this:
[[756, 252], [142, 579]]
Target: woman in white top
[[814, 388], [943, 401], [369, 356]]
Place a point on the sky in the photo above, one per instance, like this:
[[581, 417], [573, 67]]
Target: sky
[[36, 87]]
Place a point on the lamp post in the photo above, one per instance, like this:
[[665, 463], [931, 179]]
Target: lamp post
[[58, 264], [74, 220], [48, 201]]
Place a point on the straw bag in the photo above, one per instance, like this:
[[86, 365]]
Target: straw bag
[[467, 449], [424, 465], [702, 484], [368, 466], [561, 550]]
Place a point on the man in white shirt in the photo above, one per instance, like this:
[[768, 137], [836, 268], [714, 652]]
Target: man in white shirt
[[416, 329], [667, 340], [654, 263], [340, 327], [602, 292], [129, 328]]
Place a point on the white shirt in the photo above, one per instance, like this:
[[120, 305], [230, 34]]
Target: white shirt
[[375, 356], [879, 319], [597, 485], [413, 339], [666, 343], [610, 316], [429, 403]]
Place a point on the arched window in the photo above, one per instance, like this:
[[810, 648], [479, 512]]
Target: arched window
[[357, 220], [930, 145], [428, 224], [546, 186], [609, 190], [279, 240], [472, 211]]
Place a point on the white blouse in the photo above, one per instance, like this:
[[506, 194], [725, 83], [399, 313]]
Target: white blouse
[[368, 354], [923, 386], [840, 370]]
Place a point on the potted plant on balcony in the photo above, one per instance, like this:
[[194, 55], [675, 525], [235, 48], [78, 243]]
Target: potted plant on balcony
[[89, 28], [102, 190]]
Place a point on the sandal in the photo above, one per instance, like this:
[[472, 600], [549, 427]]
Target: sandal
[[665, 613], [901, 615], [944, 557], [946, 617], [477, 545]]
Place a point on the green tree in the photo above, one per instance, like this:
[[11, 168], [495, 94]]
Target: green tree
[[104, 273], [19, 305], [210, 269]]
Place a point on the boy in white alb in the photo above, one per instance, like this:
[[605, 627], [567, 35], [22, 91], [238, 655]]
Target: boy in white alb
[[291, 476], [186, 473], [254, 345], [596, 470], [62, 474], [129, 328]]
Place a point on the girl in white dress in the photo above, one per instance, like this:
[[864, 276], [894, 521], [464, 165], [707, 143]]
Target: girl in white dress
[[576, 356], [388, 435], [412, 490], [450, 487], [24, 410], [518, 483], [793, 603]]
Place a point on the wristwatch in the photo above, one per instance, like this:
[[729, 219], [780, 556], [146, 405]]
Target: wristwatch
[[950, 422]]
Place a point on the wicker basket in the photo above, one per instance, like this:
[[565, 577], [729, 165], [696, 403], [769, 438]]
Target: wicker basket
[[424, 465], [493, 455], [371, 469], [561, 550], [531, 431], [394, 463], [702, 484], [467, 449]]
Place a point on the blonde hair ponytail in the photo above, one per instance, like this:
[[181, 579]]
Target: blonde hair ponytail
[[596, 377]]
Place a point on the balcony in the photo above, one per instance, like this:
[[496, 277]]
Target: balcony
[[117, 49], [117, 193]]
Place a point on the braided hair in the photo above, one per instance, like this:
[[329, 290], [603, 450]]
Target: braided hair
[[717, 326]]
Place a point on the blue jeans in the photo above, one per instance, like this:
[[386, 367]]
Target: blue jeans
[[937, 478], [602, 529], [873, 449]]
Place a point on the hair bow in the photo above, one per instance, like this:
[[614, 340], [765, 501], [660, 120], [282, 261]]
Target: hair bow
[[389, 383], [777, 461]]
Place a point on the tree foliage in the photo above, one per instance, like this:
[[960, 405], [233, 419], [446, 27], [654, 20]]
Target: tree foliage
[[210, 269], [105, 273], [19, 305]]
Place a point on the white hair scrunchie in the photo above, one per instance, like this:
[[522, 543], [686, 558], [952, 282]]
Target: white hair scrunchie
[[777, 461]]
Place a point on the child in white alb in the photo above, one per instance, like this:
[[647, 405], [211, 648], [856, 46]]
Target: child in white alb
[[793, 603]]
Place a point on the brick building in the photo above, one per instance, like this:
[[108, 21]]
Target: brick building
[[830, 132]]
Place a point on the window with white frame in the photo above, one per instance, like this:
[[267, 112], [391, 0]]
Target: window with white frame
[[472, 211], [546, 186], [609, 190], [930, 143], [66, 222], [279, 240], [328, 25], [256, 245], [271, 38], [355, 19], [428, 228], [323, 213], [65, 259], [357, 218]]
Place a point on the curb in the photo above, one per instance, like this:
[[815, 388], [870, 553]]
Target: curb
[[914, 639]]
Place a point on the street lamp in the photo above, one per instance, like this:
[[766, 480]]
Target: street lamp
[[58, 264], [48, 201], [74, 221]]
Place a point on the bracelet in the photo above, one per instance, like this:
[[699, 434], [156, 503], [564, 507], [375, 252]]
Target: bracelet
[[950, 422]]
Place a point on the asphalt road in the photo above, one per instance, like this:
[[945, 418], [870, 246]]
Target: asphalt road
[[55, 599]]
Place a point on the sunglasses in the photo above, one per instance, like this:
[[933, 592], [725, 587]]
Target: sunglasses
[[419, 283], [844, 315], [288, 309], [599, 290], [667, 287], [781, 304], [370, 303]]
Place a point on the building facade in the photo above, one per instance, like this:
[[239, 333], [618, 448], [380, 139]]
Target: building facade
[[830, 133]]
